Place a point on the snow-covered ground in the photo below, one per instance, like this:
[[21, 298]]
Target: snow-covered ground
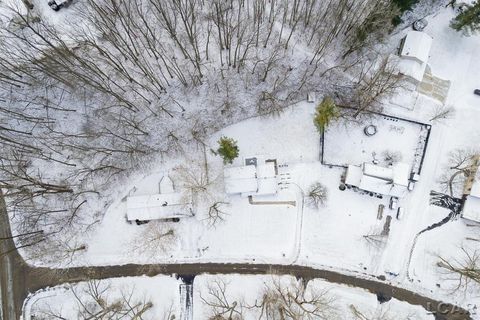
[[68, 301], [164, 295], [333, 235], [324, 237], [346, 143]]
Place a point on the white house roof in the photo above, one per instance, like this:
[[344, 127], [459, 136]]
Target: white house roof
[[158, 206], [382, 186], [412, 69], [471, 209], [401, 174], [242, 185], [240, 179], [354, 175], [376, 171], [266, 170], [391, 181], [417, 46], [251, 180]]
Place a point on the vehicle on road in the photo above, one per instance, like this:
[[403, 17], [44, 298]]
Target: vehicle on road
[[476, 91]]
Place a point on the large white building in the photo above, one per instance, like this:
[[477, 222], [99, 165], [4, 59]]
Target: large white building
[[390, 181], [258, 178]]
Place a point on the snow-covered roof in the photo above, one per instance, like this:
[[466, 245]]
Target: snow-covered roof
[[354, 175], [251, 180], [401, 174], [475, 191], [240, 179], [266, 170], [391, 181], [412, 69], [414, 54], [416, 46], [158, 206], [471, 209], [376, 171], [266, 179], [382, 186]]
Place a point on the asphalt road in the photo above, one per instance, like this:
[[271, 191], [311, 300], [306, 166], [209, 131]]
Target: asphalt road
[[17, 278], [12, 270]]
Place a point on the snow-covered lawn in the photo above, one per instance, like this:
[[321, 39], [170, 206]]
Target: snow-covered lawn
[[346, 143], [69, 301], [289, 137], [261, 233]]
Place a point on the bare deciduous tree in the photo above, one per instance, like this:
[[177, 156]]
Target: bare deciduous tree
[[391, 157], [442, 112], [374, 85], [216, 213], [94, 302], [461, 165], [464, 271], [317, 195], [294, 301], [158, 237], [220, 306]]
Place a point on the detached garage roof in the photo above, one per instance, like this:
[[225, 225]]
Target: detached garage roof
[[417, 46], [414, 54], [158, 206]]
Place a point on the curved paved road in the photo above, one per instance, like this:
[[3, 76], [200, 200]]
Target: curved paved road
[[17, 278]]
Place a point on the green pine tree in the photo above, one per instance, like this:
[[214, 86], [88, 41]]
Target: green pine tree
[[228, 149], [325, 113], [468, 21]]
